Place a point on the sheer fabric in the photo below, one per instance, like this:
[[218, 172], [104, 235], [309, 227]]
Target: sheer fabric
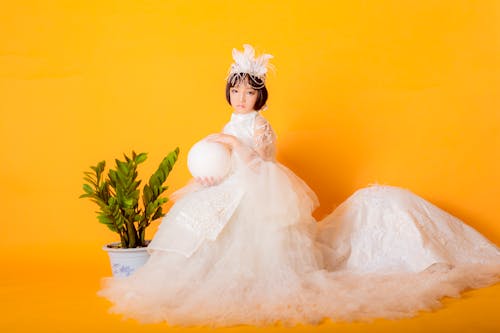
[[248, 250], [264, 139]]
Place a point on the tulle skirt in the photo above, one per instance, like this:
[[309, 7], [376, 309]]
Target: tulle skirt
[[383, 253]]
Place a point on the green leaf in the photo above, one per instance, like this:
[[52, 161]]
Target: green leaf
[[128, 203], [154, 183], [122, 167], [141, 158], [157, 214], [112, 176], [90, 181], [147, 194], [101, 165], [108, 222], [161, 201], [127, 158], [88, 189]]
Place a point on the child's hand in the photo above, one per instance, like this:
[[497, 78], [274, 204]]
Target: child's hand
[[208, 181], [228, 140]]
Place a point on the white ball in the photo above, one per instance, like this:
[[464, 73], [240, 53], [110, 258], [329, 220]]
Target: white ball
[[208, 159]]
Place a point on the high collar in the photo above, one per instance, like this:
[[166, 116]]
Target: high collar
[[243, 116]]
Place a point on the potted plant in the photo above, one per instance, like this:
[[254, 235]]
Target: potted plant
[[124, 210]]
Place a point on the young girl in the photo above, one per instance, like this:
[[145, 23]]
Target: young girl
[[246, 250]]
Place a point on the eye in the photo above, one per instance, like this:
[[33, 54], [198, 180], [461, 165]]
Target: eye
[[251, 92], [234, 91]]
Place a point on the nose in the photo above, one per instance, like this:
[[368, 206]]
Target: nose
[[242, 97]]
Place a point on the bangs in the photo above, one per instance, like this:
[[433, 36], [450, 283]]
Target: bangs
[[245, 78]]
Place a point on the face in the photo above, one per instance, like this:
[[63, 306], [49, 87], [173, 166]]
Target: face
[[243, 98]]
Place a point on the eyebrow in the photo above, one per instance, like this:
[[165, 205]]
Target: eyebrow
[[246, 86]]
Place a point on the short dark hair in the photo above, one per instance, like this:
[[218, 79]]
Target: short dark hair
[[254, 82]]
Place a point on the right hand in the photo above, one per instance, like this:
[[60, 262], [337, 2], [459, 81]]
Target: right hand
[[228, 140], [208, 181]]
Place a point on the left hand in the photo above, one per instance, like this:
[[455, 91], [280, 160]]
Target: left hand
[[228, 140]]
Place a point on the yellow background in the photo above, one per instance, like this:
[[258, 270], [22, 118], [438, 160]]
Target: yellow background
[[404, 93]]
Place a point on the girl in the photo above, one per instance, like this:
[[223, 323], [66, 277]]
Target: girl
[[246, 250]]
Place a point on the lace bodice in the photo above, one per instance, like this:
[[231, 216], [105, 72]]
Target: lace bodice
[[255, 132]]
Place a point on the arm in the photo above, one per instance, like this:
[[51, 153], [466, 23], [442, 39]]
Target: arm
[[263, 148], [264, 139]]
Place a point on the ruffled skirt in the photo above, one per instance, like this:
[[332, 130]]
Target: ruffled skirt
[[384, 252]]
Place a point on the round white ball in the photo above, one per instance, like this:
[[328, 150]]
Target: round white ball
[[208, 159]]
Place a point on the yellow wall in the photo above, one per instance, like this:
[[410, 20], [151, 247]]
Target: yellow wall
[[395, 92]]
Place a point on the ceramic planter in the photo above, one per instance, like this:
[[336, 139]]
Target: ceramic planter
[[125, 261]]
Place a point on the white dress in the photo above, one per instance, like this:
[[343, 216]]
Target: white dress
[[248, 251]]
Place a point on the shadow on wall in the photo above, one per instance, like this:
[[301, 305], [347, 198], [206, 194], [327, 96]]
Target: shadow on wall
[[322, 159]]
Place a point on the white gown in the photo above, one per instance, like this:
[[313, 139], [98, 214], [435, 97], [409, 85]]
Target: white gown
[[248, 251]]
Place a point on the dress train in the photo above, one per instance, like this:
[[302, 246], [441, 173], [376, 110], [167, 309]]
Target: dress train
[[248, 251]]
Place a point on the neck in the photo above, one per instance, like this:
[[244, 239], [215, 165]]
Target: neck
[[244, 112]]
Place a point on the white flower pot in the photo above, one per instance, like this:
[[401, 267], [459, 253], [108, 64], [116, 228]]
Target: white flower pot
[[125, 261]]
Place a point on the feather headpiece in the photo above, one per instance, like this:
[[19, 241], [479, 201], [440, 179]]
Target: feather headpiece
[[246, 63]]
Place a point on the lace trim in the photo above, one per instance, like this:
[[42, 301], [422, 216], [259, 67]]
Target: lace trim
[[207, 211], [264, 138], [264, 133]]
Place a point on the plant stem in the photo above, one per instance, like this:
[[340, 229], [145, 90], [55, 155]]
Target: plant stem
[[132, 234], [142, 235]]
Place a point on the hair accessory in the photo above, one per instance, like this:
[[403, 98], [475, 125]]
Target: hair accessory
[[246, 63]]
